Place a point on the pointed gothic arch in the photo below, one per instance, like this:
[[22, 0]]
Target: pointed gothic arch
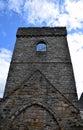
[[43, 106]]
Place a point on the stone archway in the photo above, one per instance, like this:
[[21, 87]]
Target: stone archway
[[35, 117]]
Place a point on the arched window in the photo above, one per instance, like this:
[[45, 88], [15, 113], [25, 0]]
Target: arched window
[[41, 46]]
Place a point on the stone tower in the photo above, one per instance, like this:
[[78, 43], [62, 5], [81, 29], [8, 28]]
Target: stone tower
[[40, 93]]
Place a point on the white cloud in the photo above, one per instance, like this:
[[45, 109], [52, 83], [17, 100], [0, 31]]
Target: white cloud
[[76, 41], [68, 14], [75, 44], [50, 12], [38, 11], [5, 57], [74, 9], [15, 5]]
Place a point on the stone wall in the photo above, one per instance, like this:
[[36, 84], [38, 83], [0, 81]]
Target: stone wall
[[40, 92], [55, 63], [37, 104]]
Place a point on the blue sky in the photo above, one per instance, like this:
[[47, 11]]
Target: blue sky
[[53, 13]]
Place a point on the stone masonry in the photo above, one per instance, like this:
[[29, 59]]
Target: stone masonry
[[80, 105], [40, 92]]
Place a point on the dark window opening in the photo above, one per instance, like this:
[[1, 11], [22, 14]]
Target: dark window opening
[[41, 46]]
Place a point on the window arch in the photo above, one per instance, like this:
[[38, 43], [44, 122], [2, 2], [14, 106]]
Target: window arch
[[41, 46]]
